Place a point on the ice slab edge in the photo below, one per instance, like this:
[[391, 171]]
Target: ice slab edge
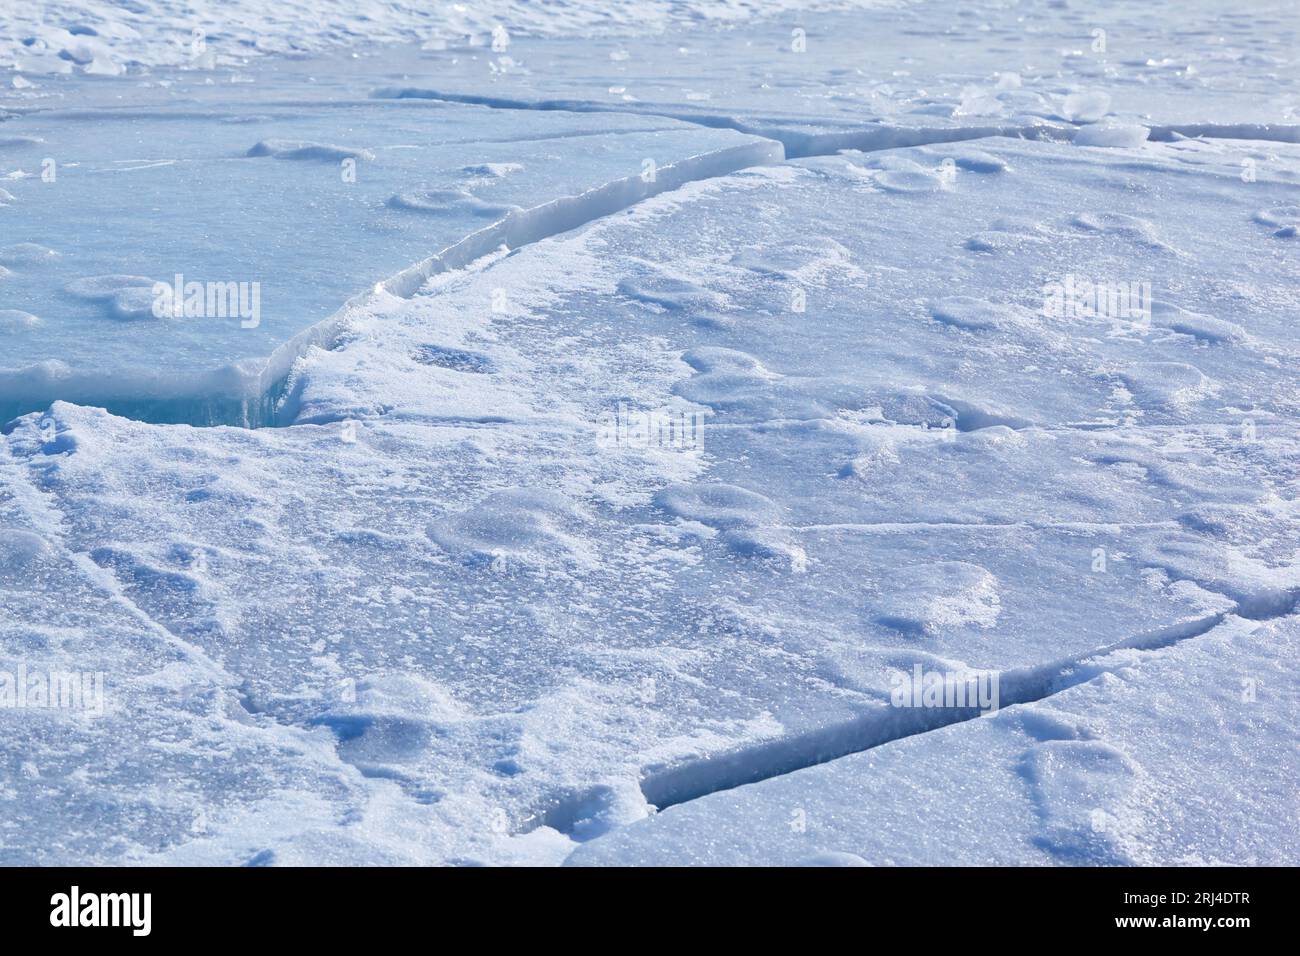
[[264, 393], [514, 231], [805, 140], [692, 780]]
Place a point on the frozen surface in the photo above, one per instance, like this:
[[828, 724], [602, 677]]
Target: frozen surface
[[1099, 775], [455, 609], [902, 74], [180, 132], [106, 38], [140, 196]]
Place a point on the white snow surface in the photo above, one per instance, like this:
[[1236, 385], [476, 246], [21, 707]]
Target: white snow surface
[[106, 37], [599, 508]]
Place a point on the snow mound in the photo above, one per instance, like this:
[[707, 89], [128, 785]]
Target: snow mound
[[292, 149], [104, 288], [1166, 384], [388, 719], [965, 312], [494, 170], [720, 506], [1206, 328], [516, 524], [448, 202], [13, 320], [1133, 228], [137, 303], [1284, 215], [1285, 219], [937, 598], [803, 259], [1007, 236], [901, 175], [1082, 789], [19, 551], [23, 254], [672, 293]]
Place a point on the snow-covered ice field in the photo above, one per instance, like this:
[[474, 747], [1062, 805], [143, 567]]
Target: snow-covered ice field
[[601, 434]]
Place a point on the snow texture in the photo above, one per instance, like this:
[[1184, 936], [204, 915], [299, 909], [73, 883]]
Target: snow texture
[[635, 414]]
